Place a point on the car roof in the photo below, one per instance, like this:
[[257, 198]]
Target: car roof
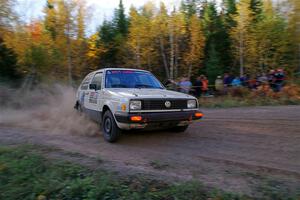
[[106, 69]]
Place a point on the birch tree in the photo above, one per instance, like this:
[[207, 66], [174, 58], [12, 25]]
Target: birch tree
[[195, 54], [177, 33], [161, 29], [271, 32], [241, 34]]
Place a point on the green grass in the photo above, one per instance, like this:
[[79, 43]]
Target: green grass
[[26, 174], [156, 164]]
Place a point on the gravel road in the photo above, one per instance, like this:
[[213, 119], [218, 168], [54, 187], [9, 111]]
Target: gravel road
[[244, 150]]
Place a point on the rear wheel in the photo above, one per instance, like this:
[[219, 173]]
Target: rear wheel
[[179, 129], [111, 131]]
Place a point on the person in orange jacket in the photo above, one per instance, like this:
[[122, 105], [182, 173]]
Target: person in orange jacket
[[204, 85]]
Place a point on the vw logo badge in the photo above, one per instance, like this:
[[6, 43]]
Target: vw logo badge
[[168, 104]]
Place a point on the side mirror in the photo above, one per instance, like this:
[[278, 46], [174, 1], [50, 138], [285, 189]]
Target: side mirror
[[93, 86]]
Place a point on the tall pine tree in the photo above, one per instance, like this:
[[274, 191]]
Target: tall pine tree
[[217, 41]]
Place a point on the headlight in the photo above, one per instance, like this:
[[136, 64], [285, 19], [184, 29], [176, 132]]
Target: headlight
[[135, 105], [191, 104]]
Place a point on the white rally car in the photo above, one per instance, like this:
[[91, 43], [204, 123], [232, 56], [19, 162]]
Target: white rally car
[[124, 99]]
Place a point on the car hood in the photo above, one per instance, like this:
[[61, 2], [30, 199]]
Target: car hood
[[147, 93]]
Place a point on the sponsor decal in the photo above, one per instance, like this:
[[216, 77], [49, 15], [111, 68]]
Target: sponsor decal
[[93, 97]]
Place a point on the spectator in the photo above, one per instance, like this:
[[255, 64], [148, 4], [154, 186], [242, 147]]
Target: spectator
[[244, 80], [236, 82], [226, 80], [219, 85], [185, 85], [252, 83], [204, 85], [279, 79], [198, 87], [271, 79], [231, 77], [262, 79]]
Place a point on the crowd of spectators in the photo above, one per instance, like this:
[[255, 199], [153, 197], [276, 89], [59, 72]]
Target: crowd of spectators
[[184, 85], [275, 80]]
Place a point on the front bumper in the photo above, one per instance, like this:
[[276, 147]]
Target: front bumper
[[158, 117]]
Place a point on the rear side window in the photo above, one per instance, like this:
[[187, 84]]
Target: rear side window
[[85, 82], [97, 80]]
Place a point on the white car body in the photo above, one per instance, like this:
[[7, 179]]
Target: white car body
[[96, 101]]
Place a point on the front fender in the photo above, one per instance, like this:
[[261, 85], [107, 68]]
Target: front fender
[[114, 106]]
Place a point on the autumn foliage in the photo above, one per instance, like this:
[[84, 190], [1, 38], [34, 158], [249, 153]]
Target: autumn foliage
[[197, 37]]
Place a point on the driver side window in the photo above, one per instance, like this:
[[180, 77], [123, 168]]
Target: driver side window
[[97, 80]]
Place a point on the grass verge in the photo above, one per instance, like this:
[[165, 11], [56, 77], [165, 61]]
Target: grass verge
[[26, 174]]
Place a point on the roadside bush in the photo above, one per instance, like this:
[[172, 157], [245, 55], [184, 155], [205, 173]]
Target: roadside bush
[[241, 92], [290, 91], [262, 96]]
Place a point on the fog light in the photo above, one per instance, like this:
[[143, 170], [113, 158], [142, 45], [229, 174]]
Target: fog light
[[198, 115], [136, 118]]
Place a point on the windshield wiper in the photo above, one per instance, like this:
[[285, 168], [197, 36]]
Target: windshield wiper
[[118, 86], [143, 86]]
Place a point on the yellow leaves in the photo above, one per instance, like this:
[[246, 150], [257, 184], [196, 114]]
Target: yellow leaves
[[81, 13], [294, 20], [244, 43], [93, 50], [3, 167], [41, 197], [178, 23], [196, 42], [140, 38]]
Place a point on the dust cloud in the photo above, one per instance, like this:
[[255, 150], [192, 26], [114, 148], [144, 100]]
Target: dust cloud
[[49, 108]]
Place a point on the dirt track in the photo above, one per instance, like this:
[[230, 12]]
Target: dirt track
[[241, 149]]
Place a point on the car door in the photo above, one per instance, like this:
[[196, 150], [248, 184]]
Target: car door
[[93, 100], [82, 95]]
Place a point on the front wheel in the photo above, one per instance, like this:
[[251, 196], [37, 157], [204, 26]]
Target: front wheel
[[179, 129], [111, 131]]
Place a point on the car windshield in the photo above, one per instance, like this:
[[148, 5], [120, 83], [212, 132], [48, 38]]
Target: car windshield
[[131, 79]]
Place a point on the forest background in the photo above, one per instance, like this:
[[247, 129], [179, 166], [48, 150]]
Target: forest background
[[198, 37]]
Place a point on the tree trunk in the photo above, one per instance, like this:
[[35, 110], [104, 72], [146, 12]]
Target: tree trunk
[[138, 55], [149, 63], [171, 52], [69, 55], [299, 57], [162, 49], [190, 71], [176, 59], [241, 54]]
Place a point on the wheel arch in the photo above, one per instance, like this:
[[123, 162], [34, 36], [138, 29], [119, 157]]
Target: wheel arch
[[105, 108]]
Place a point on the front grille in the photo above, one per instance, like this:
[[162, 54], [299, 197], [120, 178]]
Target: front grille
[[159, 104]]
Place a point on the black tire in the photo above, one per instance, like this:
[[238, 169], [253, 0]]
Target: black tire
[[79, 109], [111, 132], [179, 129]]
